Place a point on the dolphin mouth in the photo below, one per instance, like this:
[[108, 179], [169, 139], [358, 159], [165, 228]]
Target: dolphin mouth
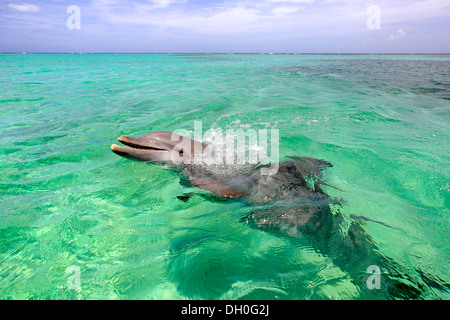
[[140, 149], [134, 143], [115, 147]]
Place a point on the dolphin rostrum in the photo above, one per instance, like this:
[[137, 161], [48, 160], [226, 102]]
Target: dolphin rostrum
[[290, 202]]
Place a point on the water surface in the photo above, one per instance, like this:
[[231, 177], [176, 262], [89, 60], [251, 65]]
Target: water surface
[[67, 200]]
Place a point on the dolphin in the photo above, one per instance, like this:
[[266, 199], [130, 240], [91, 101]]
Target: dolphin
[[290, 202]]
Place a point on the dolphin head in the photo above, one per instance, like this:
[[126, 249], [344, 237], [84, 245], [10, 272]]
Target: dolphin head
[[159, 146]]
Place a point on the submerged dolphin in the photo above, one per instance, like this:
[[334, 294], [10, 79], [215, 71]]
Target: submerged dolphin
[[289, 202]]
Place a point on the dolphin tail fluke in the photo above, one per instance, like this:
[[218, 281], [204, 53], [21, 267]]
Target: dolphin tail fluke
[[312, 168]]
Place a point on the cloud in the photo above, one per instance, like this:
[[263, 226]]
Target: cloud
[[162, 3], [399, 34], [292, 24], [224, 17], [158, 4], [24, 7], [291, 1], [241, 16], [228, 17], [283, 10]]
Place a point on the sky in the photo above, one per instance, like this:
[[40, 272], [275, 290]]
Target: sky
[[225, 26]]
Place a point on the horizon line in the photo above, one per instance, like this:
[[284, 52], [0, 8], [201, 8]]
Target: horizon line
[[231, 53]]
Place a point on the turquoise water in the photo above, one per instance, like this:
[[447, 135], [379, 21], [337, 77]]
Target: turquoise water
[[67, 200]]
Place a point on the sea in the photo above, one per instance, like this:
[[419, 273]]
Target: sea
[[79, 222]]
